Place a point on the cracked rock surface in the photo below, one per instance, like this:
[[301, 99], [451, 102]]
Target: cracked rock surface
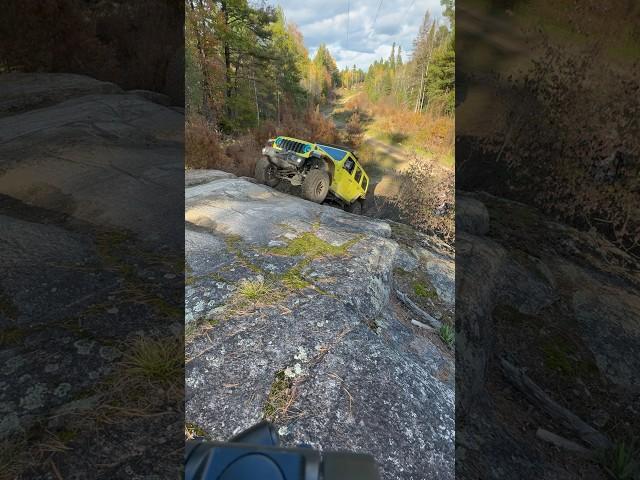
[[291, 316], [89, 262]]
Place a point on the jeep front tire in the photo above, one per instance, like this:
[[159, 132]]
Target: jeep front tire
[[266, 172], [315, 185]]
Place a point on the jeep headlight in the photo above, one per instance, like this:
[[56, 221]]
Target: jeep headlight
[[264, 150]]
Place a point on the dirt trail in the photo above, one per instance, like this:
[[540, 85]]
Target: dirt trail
[[389, 158], [383, 166]]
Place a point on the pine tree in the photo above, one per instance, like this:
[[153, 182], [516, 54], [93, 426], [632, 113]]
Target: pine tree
[[392, 57]]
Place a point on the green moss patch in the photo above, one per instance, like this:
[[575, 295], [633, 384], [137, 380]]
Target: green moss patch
[[311, 246], [293, 279], [421, 290], [556, 358], [232, 242], [562, 356]]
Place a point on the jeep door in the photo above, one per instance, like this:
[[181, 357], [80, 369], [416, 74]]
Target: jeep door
[[346, 186]]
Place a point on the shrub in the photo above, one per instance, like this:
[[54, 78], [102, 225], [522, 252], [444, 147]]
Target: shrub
[[582, 156], [243, 152], [426, 198], [354, 131], [319, 128], [203, 147]]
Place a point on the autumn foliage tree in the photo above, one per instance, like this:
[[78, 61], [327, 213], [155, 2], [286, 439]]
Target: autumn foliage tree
[[246, 64]]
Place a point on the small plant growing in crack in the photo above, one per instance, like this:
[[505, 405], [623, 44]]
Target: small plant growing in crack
[[621, 461], [280, 398], [447, 335], [192, 431], [283, 390]]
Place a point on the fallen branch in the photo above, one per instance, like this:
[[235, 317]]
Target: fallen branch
[[539, 398], [418, 311], [420, 324], [564, 443]]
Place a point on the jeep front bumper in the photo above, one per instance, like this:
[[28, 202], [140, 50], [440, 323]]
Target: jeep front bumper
[[284, 160]]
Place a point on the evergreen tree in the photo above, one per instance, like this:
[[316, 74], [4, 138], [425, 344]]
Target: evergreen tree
[[392, 57]]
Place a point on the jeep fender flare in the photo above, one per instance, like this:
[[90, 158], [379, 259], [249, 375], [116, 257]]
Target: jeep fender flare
[[269, 153], [323, 163]]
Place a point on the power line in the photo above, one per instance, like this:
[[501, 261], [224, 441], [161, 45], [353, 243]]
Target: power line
[[348, 11], [414, 1], [406, 14], [377, 12]]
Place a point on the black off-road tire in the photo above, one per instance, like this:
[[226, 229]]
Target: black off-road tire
[[356, 207], [265, 172], [315, 186]]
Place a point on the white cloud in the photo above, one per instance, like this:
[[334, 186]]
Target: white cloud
[[325, 21]]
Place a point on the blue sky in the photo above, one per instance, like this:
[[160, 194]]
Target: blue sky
[[325, 21]]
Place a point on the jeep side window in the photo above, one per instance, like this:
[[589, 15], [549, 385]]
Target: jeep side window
[[358, 174], [365, 182], [349, 164]]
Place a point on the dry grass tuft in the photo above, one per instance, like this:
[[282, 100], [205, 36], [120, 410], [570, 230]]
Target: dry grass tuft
[[157, 362], [255, 291]]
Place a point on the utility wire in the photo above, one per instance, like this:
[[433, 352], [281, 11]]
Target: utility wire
[[377, 12], [348, 11], [414, 1]]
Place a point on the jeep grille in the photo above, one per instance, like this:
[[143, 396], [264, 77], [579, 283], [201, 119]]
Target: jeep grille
[[290, 145]]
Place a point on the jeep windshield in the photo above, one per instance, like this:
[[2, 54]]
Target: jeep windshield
[[335, 153]]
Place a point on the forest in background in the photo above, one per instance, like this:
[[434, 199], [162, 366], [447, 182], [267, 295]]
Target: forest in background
[[247, 64]]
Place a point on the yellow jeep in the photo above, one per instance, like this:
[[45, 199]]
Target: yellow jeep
[[321, 169]]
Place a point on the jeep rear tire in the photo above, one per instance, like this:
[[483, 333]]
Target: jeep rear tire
[[266, 172], [355, 207], [315, 186]]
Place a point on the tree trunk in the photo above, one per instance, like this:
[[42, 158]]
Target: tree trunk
[[205, 79], [255, 91], [419, 99], [227, 58]]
